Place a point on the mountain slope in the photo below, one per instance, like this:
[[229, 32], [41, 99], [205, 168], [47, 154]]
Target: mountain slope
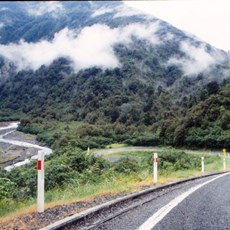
[[103, 63]]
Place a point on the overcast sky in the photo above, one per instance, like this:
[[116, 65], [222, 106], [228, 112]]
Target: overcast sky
[[207, 19]]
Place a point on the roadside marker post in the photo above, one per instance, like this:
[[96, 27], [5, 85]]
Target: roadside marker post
[[155, 168], [88, 151], [40, 182], [224, 152], [224, 160], [202, 164]]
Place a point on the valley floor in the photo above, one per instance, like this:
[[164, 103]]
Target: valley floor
[[11, 154]]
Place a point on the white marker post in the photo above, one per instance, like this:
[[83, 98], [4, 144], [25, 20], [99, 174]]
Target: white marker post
[[155, 168], [202, 164], [41, 182], [224, 162]]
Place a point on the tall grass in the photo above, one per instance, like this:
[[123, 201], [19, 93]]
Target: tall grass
[[111, 184]]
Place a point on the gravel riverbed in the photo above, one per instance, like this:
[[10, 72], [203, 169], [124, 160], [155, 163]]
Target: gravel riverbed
[[11, 154]]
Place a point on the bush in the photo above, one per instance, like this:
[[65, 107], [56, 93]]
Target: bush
[[57, 175], [26, 180], [126, 166], [172, 160], [7, 188], [148, 140]]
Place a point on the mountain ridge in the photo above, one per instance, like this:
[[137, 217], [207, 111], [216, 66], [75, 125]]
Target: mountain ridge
[[106, 66]]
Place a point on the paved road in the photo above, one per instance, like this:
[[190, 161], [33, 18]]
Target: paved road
[[122, 149], [198, 205], [207, 208]]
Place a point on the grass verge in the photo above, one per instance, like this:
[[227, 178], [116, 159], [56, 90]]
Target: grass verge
[[113, 184]]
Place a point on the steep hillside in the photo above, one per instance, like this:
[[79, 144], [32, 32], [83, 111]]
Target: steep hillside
[[102, 63]]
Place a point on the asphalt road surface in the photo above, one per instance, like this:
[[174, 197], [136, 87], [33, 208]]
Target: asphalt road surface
[[203, 204], [105, 152]]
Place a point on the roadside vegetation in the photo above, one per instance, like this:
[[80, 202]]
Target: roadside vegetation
[[72, 174]]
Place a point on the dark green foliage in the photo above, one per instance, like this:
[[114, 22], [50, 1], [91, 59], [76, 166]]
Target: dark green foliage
[[205, 124], [7, 188], [71, 166], [65, 166], [26, 180], [126, 166], [147, 140], [173, 160], [58, 174]]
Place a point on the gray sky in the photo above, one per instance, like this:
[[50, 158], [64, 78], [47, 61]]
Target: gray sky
[[207, 19]]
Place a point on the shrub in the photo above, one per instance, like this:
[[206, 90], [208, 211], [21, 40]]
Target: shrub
[[7, 188], [57, 175], [126, 166], [171, 159], [148, 140]]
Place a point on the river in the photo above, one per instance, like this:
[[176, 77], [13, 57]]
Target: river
[[12, 127]]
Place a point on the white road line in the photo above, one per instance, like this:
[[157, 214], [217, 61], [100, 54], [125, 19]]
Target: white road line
[[161, 213]]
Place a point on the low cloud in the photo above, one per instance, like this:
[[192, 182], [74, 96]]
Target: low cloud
[[140, 31], [52, 7], [119, 11], [196, 59], [1, 25], [93, 46], [101, 11], [125, 11], [4, 8], [169, 36]]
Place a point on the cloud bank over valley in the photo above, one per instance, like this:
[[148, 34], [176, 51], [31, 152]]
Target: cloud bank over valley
[[93, 46], [196, 60], [41, 8]]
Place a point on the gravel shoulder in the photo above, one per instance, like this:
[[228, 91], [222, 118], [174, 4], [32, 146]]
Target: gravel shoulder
[[38, 220]]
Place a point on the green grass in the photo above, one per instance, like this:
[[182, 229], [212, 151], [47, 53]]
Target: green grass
[[213, 163], [113, 183], [8, 206], [75, 192], [129, 183], [136, 154], [87, 192], [218, 165], [116, 145]]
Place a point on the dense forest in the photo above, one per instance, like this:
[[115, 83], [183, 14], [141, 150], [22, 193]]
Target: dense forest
[[205, 125]]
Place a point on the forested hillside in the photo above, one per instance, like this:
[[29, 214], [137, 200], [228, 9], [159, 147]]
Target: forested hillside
[[85, 73]]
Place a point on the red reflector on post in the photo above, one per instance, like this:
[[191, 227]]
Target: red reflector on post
[[39, 165]]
